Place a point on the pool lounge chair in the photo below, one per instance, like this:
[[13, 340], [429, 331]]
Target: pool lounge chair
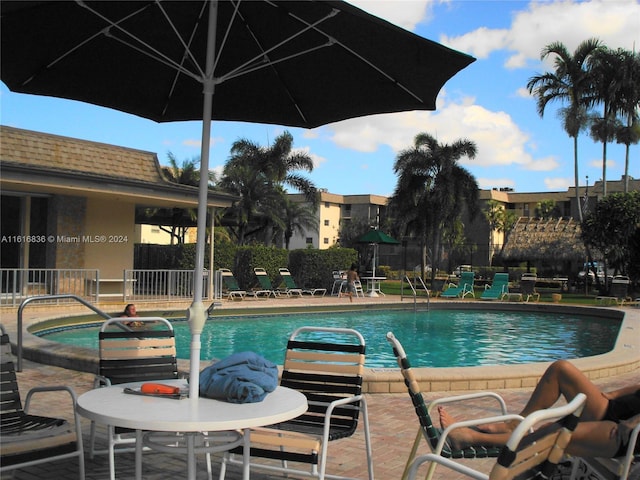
[[618, 292], [435, 438], [291, 286], [27, 439], [498, 289], [464, 287], [230, 285], [528, 287], [266, 287], [528, 454]]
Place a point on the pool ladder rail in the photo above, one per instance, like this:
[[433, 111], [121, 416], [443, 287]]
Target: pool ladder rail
[[43, 298], [417, 280]]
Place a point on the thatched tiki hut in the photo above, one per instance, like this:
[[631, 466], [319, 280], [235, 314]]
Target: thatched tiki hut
[[552, 245]]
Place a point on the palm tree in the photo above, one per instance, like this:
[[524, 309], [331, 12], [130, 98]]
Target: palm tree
[[433, 190], [606, 67], [501, 220], [298, 218], [629, 133], [186, 173], [258, 176], [569, 83]]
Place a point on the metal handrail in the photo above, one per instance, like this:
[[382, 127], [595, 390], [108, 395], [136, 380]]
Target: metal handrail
[[29, 300], [415, 293]]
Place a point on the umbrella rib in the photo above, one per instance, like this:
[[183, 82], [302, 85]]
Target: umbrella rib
[[333, 40], [81, 44], [250, 64], [152, 53]]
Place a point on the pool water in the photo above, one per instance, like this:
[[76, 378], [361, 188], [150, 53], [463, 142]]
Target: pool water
[[435, 338]]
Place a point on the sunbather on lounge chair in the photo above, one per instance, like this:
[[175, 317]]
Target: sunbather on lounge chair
[[604, 427]]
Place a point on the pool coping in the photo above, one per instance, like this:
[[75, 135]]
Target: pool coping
[[624, 358]]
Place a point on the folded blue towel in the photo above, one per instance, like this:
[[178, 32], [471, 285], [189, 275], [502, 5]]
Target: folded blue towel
[[244, 377]]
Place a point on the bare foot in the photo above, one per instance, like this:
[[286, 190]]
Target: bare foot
[[459, 437]]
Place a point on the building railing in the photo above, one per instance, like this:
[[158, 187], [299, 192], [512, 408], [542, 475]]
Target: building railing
[[19, 284]]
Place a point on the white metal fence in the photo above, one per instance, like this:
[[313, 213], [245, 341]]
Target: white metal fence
[[133, 286], [21, 283]]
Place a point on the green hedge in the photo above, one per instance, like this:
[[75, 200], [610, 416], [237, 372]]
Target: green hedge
[[310, 268]]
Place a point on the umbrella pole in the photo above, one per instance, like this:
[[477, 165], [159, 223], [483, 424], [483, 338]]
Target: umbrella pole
[[196, 313]]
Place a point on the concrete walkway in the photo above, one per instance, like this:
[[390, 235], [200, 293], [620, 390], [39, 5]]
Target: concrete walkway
[[393, 424]]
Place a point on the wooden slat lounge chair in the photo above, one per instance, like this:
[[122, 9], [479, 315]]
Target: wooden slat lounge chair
[[329, 373], [27, 439], [427, 430], [526, 455]]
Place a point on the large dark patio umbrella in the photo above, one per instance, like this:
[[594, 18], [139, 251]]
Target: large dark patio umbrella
[[375, 237], [295, 63]]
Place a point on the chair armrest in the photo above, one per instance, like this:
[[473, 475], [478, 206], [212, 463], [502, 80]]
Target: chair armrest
[[101, 381], [473, 423], [469, 396], [52, 388]]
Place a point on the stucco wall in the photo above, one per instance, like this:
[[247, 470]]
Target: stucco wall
[[112, 237]]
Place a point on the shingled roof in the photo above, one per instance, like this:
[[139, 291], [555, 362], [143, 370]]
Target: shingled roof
[[34, 149], [50, 163]]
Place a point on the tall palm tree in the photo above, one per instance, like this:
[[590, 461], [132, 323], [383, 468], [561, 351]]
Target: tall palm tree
[[258, 175], [185, 173], [570, 84], [606, 66], [629, 104], [298, 218], [433, 190]]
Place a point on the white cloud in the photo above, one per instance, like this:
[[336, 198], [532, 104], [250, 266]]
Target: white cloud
[[404, 13], [317, 159], [570, 22], [558, 184], [499, 140]]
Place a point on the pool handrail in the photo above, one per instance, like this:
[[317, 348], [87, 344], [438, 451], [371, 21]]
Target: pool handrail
[[37, 298], [415, 294]]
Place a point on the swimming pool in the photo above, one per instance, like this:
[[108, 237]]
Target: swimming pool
[[434, 338]]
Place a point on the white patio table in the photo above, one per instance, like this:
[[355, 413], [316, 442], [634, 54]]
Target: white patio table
[[111, 406]]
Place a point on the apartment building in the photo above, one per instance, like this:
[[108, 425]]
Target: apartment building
[[333, 210]]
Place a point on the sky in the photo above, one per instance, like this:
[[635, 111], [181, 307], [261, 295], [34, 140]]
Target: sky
[[487, 103]]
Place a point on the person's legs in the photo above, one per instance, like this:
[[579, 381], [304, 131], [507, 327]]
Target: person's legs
[[594, 439], [562, 378]]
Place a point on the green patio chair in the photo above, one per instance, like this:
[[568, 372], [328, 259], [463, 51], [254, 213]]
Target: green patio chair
[[433, 435], [464, 287], [230, 285], [498, 289], [291, 286], [266, 287]]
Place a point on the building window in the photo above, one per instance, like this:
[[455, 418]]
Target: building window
[[309, 241], [326, 223], [326, 241], [327, 205]]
